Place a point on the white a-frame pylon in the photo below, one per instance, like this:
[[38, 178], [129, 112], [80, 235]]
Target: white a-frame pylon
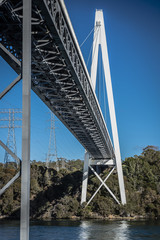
[[100, 40]]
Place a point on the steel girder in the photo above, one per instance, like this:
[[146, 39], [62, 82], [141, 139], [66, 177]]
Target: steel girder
[[59, 74]]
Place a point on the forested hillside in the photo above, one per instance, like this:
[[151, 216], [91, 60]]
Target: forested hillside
[[57, 194]]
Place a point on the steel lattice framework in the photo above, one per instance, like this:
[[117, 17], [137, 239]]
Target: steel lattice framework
[[59, 74]]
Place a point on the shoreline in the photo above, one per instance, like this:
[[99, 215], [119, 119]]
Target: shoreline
[[77, 218]]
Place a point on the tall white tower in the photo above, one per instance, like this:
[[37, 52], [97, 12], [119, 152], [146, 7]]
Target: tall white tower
[[99, 40]]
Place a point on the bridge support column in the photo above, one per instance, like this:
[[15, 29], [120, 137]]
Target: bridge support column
[[26, 72], [100, 40], [85, 178], [93, 165]]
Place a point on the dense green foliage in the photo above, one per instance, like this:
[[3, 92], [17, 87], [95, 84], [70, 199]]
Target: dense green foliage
[[57, 194]]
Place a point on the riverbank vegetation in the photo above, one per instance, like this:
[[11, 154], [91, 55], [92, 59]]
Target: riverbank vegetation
[[56, 194]]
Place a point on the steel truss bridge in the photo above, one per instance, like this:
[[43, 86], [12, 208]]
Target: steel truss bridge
[[59, 74], [38, 41]]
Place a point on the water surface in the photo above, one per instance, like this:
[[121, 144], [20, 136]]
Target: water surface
[[83, 230]]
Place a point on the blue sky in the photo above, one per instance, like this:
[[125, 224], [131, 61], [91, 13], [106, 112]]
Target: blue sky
[[133, 37]]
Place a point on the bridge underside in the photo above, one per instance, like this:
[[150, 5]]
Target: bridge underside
[[59, 74]]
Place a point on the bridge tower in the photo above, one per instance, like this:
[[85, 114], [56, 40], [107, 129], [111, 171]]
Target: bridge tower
[[100, 40]]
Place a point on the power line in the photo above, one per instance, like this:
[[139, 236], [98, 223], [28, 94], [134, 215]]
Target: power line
[[94, 39]]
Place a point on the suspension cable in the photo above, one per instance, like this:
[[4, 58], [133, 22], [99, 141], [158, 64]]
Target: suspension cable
[[95, 39], [87, 37]]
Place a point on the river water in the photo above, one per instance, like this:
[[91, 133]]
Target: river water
[[84, 230]]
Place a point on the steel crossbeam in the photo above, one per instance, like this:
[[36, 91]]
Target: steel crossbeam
[[59, 74], [17, 175], [10, 152], [10, 183], [7, 89], [91, 164], [102, 184]]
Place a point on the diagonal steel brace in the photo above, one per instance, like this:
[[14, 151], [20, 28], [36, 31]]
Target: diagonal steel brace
[[100, 186], [104, 184], [10, 183], [17, 175], [18, 160], [15, 64], [10, 86]]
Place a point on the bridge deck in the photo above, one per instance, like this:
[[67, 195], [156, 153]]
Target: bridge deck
[[59, 74]]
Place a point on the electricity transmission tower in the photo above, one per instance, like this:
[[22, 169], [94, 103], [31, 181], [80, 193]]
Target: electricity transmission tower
[[10, 119], [52, 149], [62, 163]]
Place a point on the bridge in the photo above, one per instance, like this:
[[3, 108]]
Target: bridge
[[38, 41]]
